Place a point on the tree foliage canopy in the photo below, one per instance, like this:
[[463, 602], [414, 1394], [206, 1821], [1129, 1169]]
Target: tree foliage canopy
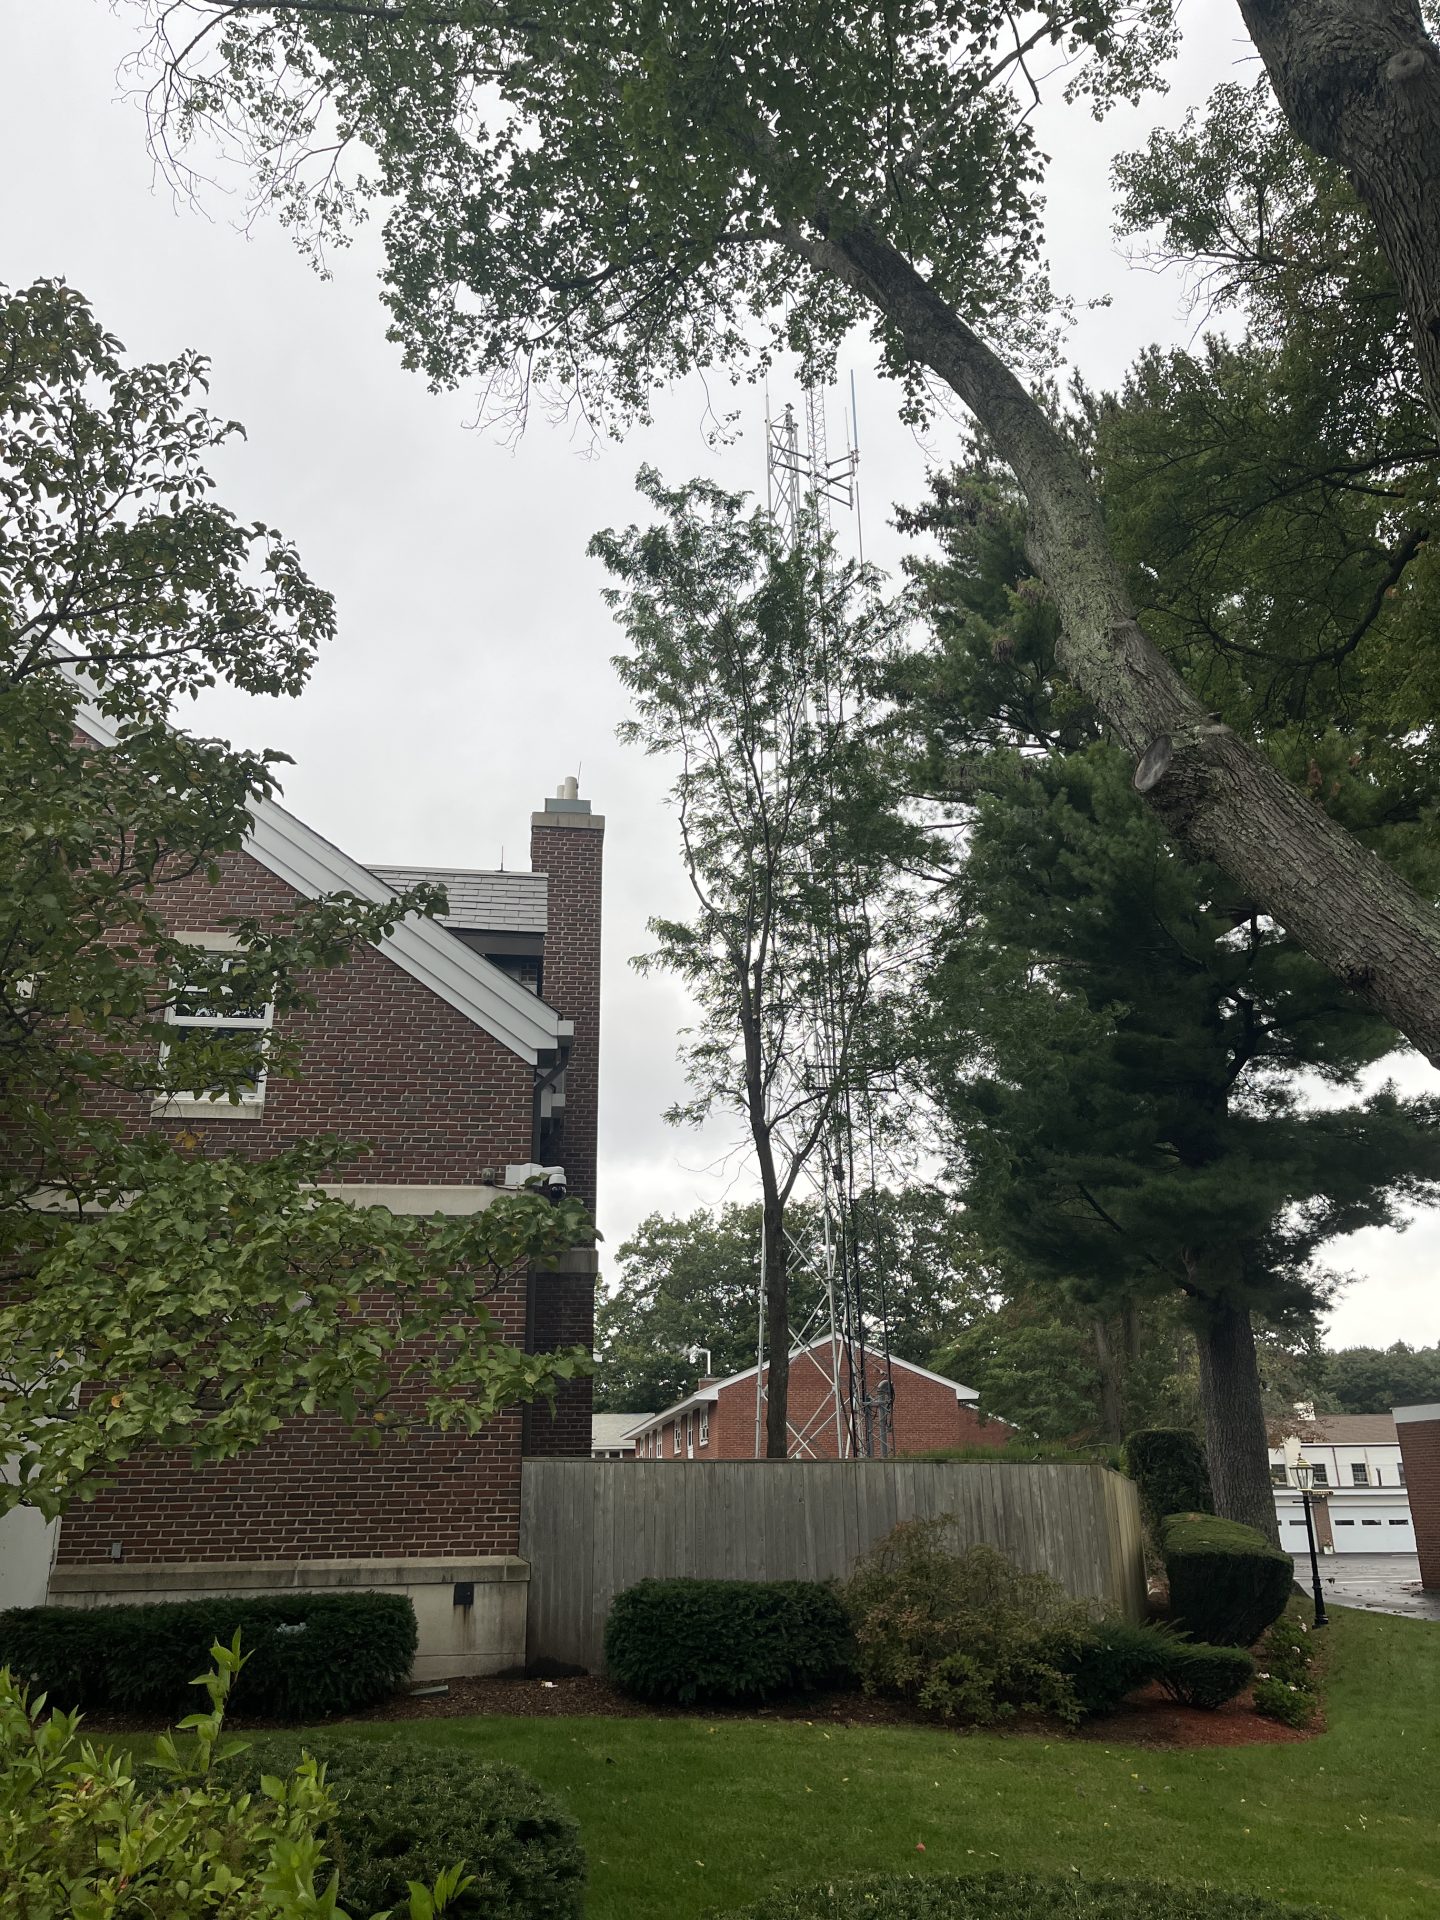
[[152, 1293]]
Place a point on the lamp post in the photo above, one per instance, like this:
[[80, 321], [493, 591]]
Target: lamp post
[[1304, 1476]]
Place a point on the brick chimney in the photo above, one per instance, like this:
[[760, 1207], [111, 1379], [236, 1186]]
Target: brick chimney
[[567, 843]]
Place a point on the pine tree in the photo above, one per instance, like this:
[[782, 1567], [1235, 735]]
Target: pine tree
[[1119, 1039]]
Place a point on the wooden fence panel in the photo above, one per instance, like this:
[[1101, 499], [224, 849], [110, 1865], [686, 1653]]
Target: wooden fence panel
[[591, 1528]]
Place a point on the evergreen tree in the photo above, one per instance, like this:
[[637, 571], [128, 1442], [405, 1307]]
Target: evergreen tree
[[1118, 1036]]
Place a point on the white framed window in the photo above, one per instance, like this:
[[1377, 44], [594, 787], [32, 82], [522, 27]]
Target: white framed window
[[689, 1436], [1359, 1473], [704, 1426], [211, 1013], [1278, 1477], [677, 1439], [1322, 1474]]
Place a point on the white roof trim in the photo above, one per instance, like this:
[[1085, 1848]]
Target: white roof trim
[[452, 971], [707, 1396]]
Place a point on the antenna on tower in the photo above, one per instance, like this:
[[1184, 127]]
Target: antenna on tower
[[804, 484]]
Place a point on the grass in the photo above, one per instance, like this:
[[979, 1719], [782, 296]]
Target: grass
[[681, 1817]]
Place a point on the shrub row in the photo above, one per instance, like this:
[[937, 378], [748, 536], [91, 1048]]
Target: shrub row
[[405, 1812], [1227, 1583], [308, 1654], [727, 1640], [1013, 1896], [964, 1637]]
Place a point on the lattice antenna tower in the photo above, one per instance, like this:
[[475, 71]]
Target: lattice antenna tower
[[803, 487]]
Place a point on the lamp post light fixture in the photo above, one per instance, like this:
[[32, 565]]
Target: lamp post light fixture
[[1304, 1478]]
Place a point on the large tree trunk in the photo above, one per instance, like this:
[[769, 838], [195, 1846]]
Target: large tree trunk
[[1235, 1437], [1359, 81], [1112, 1392], [1219, 797]]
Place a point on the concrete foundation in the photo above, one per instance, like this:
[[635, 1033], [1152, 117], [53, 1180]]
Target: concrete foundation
[[458, 1636]]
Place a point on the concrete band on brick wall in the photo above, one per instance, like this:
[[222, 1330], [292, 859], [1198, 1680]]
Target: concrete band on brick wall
[[487, 1635]]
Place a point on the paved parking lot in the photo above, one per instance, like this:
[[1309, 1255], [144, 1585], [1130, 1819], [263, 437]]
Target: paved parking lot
[[1383, 1582]]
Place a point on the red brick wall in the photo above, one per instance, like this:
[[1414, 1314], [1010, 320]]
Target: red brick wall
[[569, 848], [382, 1059], [1420, 1454], [926, 1416]]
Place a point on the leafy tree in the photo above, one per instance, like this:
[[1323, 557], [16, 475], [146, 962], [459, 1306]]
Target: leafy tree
[[151, 1294], [1119, 1037], [694, 1282], [1375, 1379], [754, 668], [684, 1283], [590, 203]]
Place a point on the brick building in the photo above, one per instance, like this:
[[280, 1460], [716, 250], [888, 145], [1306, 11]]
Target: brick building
[[1419, 1431], [718, 1420], [465, 1050]]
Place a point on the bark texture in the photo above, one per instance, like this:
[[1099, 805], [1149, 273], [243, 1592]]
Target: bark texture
[[777, 1331], [1359, 81], [1235, 1437], [1220, 799]]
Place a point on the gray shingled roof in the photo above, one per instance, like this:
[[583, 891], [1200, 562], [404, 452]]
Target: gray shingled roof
[[490, 902], [610, 1429], [1352, 1429]]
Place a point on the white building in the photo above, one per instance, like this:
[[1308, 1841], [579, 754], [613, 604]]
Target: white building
[[1358, 1498]]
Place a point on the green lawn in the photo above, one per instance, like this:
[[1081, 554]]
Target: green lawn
[[680, 1817]]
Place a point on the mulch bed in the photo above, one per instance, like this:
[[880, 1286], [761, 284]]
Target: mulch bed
[[1149, 1719]]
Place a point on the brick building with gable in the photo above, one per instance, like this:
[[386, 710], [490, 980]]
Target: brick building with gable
[[718, 1421], [465, 1050]]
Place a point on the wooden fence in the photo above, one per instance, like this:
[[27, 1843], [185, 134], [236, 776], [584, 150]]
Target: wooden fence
[[591, 1528]]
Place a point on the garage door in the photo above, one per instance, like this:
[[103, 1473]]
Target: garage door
[[1362, 1529]]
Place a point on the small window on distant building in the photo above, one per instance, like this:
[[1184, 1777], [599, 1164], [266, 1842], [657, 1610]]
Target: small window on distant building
[[1399, 1523], [1278, 1477], [1359, 1473], [1322, 1474], [704, 1426], [677, 1437], [201, 1016]]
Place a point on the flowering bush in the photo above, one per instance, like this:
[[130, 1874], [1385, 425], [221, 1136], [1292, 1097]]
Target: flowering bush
[[1284, 1690], [81, 1840]]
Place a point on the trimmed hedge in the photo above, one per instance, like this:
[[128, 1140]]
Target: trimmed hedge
[[1117, 1660], [1200, 1676], [1170, 1472], [681, 1641], [308, 1654], [406, 1812], [1014, 1896], [1227, 1583]]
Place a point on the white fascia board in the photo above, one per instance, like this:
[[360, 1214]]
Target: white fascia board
[[1430, 1411], [306, 861], [706, 1397], [961, 1393]]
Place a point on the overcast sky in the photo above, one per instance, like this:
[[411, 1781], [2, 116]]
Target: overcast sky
[[472, 669]]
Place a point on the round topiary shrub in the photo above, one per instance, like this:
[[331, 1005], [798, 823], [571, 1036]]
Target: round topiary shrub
[[1014, 1896], [406, 1812], [680, 1641], [1227, 1583]]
